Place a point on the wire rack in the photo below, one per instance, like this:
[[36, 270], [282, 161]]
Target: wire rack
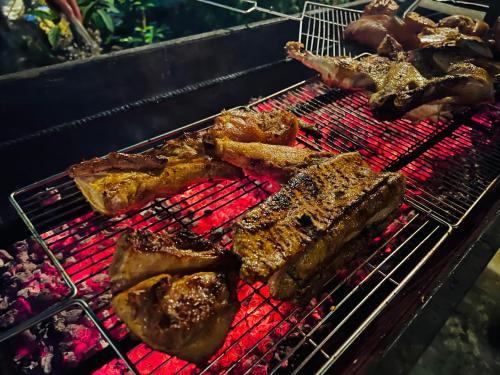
[[321, 26], [268, 335], [83, 242]]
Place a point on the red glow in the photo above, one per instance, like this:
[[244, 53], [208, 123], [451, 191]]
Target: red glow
[[86, 244]]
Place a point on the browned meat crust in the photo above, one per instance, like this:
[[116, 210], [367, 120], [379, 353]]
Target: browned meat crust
[[186, 316], [118, 161], [311, 218], [141, 254], [275, 161], [123, 182], [273, 127]]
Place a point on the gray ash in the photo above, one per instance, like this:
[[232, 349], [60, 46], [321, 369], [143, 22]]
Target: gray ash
[[52, 346], [29, 283]]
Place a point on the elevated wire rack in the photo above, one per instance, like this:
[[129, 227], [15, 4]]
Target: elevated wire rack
[[82, 242], [321, 26]]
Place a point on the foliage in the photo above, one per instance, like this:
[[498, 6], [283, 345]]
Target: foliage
[[128, 23]]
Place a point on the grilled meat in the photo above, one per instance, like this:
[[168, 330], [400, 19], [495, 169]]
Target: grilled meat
[[465, 25], [390, 47], [186, 316], [445, 37], [377, 7], [320, 209], [344, 72], [399, 88], [274, 127], [302, 290], [275, 161], [141, 254], [370, 31], [123, 182], [465, 85], [379, 21], [416, 23], [415, 31]]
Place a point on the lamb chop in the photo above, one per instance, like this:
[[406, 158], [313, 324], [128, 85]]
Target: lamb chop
[[141, 254], [287, 237], [186, 316], [274, 161]]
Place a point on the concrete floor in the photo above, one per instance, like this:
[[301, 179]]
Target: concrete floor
[[469, 342]]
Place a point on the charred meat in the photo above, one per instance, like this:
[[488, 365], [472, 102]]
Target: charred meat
[[398, 88], [445, 37], [275, 161], [141, 254], [465, 25], [370, 31], [274, 127], [415, 31], [123, 182], [289, 235], [186, 316], [466, 85], [344, 72]]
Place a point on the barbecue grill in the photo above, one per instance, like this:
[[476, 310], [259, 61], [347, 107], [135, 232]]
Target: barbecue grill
[[444, 234]]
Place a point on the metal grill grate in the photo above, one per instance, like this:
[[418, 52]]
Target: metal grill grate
[[322, 30], [455, 173], [266, 333]]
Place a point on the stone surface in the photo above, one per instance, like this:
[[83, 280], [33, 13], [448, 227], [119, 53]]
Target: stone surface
[[469, 342]]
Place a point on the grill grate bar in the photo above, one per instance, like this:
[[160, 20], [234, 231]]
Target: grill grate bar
[[354, 290], [113, 222], [343, 282], [372, 291]]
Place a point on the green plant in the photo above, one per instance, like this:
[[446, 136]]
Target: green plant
[[100, 15], [136, 27]]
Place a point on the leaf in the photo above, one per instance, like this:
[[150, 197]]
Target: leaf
[[108, 22], [44, 15], [54, 35], [86, 9], [113, 9]]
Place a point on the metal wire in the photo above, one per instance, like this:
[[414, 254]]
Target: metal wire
[[345, 125]]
